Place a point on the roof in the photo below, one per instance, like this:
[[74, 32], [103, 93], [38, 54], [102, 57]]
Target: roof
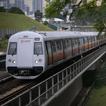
[[52, 35], [66, 34]]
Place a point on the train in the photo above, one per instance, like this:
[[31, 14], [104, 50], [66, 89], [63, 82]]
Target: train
[[30, 53]]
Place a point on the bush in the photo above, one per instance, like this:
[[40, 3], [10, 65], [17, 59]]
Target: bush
[[3, 43], [15, 10], [45, 23], [2, 9]]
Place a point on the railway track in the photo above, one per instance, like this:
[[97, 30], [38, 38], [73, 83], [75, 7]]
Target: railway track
[[18, 86], [15, 87], [4, 79], [28, 84]]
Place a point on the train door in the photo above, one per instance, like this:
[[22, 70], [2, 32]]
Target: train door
[[25, 52], [49, 52], [54, 50], [81, 45], [60, 55], [75, 46], [64, 48], [86, 42], [90, 42], [93, 42], [69, 48]]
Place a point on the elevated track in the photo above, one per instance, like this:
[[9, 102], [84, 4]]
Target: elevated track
[[47, 90]]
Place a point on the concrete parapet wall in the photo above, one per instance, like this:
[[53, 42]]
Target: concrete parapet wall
[[68, 95]]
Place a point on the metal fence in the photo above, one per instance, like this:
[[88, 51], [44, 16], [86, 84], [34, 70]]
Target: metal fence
[[8, 31], [2, 60], [44, 91]]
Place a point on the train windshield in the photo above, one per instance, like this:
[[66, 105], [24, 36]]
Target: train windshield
[[38, 50], [12, 48]]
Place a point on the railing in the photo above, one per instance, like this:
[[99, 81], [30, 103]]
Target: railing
[[2, 56], [8, 31], [71, 27], [45, 90]]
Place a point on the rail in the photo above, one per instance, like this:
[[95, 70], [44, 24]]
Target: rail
[[1, 61], [46, 90], [5, 78]]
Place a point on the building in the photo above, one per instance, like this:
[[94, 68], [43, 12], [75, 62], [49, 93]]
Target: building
[[28, 6], [4, 3]]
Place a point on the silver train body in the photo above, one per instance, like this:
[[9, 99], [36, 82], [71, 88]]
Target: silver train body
[[30, 53]]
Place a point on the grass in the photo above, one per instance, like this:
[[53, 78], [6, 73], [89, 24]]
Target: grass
[[97, 96], [21, 22]]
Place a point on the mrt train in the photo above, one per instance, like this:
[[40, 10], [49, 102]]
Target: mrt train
[[30, 53]]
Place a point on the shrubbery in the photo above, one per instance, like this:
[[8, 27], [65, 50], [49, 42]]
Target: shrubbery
[[2, 9], [3, 43]]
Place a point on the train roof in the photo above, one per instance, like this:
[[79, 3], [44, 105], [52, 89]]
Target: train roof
[[66, 34], [52, 35]]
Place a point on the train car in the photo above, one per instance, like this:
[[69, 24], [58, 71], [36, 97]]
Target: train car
[[30, 53]]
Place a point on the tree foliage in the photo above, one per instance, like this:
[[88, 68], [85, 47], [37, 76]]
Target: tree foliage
[[55, 7], [89, 12], [92, 13]]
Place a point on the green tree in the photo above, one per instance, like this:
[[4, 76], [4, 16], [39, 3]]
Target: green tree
[[55, 7], [94, 14]]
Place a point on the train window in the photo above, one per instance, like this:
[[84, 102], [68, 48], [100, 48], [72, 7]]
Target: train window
[[68, 43], [85, 39], [49, 52], [53, 46], [59, 46], [81, 41], [12, 48], [74, 42], [90, 39], [64, 44], [38, 50]]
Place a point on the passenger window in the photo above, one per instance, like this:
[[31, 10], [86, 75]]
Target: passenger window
[[12, 48], [68, 43], [81, 41], [86, 41], [38, 50], [64, 44], [49, 52], [74, 41], [59, 46], [53, 46]]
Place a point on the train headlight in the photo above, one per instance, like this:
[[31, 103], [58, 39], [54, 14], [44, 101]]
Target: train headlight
[[36, 61], [13, 61]]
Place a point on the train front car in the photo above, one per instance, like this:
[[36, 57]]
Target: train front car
[[25, 57]]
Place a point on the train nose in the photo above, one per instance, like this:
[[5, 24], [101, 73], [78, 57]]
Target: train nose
[[24, 72]]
